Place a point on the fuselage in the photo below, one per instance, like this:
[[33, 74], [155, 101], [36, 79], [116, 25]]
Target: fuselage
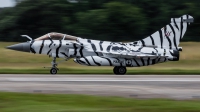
[[103, 53]]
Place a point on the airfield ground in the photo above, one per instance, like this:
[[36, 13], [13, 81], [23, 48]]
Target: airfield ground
[[132, 86], [53, 93], [20, 62]]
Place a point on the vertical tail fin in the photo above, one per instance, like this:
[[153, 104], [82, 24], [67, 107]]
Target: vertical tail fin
[[169, 36]]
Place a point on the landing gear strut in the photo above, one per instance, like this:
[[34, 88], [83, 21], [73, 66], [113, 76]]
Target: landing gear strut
[[54, 68], [119, 70]]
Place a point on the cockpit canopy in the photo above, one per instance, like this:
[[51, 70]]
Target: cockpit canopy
[[56, 36]]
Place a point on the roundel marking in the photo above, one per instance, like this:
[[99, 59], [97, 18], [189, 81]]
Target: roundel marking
[[128, 62]]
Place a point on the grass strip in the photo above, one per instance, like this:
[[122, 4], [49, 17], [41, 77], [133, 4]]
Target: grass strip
[[25, 102]]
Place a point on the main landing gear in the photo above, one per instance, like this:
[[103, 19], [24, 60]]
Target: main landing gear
[[119, 70]]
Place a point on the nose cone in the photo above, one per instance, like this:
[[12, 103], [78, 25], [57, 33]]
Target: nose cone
[[25, 47]]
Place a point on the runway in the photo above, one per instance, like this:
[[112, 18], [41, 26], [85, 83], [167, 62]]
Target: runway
[[137, 86]]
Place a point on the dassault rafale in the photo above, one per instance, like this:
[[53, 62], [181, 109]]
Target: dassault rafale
[[161, 46]]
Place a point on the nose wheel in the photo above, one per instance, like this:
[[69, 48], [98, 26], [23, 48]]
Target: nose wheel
[[54, 68], [53, 71], [119, 70]]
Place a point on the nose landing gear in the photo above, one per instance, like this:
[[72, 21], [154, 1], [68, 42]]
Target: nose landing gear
[[54, 68], [119, 70]]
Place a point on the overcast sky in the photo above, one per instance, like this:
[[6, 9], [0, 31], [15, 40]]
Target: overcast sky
[[7, 3]]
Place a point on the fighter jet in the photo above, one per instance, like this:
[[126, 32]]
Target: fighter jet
[[161, 46]]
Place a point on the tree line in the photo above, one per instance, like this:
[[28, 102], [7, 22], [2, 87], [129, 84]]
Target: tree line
[[113, 20]]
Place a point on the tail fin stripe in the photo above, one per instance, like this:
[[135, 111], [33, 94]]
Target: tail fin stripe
[[153, 43], [181, 28], [175, 23], [187, 18], [174, 36], [170, 43], [161, 38], [143, 44]]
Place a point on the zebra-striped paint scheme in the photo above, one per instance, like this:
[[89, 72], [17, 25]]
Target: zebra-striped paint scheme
[[159, 47]]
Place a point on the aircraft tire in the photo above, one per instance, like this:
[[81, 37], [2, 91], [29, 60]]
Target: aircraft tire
[[119, 70], [115, 70], [53, 71]]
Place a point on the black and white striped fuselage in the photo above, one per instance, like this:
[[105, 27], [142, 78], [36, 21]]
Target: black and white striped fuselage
[[102, 53]]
